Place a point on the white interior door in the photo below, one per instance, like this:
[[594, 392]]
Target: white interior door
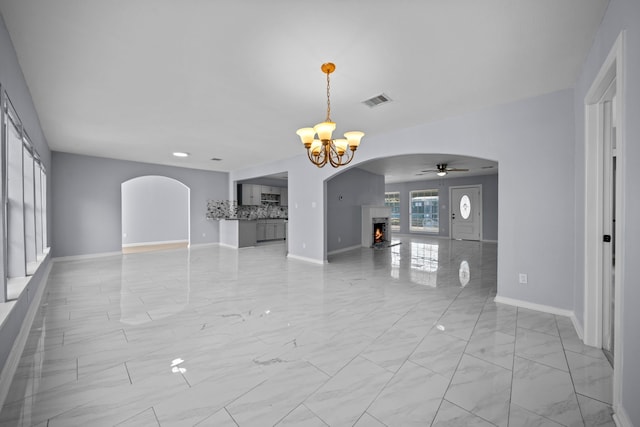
[[466, 212]]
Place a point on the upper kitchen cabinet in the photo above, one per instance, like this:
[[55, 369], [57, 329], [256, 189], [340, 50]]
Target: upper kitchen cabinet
[[250, 194]]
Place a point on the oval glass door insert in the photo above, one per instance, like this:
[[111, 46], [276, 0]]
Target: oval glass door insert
[[465, 206]]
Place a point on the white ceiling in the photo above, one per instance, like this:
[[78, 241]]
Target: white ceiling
[[412, 167], [233, 79]]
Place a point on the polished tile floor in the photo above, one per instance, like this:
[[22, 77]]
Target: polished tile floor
[[407, 335]]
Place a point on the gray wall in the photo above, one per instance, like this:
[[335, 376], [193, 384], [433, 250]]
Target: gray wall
[[87, 207], [154, 209], [531, 139], [489, 201], [621, 15], [346, 193]]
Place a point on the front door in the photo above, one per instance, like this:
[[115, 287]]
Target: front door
[[466, 212]]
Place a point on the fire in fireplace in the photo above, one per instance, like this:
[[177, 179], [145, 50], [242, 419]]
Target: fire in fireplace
[[380, 230]]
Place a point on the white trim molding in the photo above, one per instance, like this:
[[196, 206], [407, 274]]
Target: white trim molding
[[158, 243], [612, 70], [86, 256], [306, 259], [620, 417], [537, 307]]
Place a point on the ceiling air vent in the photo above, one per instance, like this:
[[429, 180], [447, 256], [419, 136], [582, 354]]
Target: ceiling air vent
[[377, 100]]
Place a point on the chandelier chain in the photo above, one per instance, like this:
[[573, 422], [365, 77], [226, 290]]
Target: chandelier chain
[[328, 100]]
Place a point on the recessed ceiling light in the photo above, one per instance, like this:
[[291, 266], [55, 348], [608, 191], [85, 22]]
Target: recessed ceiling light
[[180, 154]]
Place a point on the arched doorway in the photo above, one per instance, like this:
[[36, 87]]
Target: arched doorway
[[155, 214]]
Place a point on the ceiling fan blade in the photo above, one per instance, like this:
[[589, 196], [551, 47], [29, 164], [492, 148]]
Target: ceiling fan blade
[[457, 170], [430, 170]]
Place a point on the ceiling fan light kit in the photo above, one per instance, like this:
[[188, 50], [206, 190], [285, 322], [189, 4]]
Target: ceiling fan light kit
[[442, 170]]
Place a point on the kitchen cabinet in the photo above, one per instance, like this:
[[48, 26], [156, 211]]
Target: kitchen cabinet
[[246, 234], [251, 194], [271, 229], [284, 197], [266, 189]]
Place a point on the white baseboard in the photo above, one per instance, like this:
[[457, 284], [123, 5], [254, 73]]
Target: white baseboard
[[620, 417], [88, 256], [164, 242], [577, 326], [339, 251], [226, 245], [533, 306], [204, 245], [312, 260]]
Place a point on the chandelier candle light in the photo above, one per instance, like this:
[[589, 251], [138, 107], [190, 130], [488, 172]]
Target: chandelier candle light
[[325, 150]]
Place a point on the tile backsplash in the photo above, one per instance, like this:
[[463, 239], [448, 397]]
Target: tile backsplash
[[229, 209]]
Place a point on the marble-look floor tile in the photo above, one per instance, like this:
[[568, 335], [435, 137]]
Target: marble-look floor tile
[[439, 352], [391, 349], [145, 418], [450, 415], [497, 317], [572, 342], [122, 403], [411, 398], [194, 336], [493, 346], [49, 403], [545, 391], [332, 354], [595, 413], [520, 417], [537, 321], [541, 348], [458, 324], [591, 377], [301, 417], [219, 419], [367, 420], [343, 399], [209, 396], [481, 388], [272, 400]]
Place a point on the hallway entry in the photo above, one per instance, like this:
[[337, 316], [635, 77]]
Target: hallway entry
[[155, 214]]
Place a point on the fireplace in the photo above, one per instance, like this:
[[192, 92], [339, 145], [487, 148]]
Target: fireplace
[[379, 230], [375, 217]]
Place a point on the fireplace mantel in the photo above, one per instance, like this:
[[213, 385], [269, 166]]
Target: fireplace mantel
[[368, 213]]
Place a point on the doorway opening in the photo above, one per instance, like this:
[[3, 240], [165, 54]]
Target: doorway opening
[[155, 214]]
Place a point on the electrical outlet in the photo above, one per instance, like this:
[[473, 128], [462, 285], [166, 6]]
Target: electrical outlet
[[524, 279]]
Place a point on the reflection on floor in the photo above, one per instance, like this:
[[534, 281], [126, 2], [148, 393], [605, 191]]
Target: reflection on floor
[[211, 336]]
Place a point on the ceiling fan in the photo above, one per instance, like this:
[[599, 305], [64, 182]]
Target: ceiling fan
[[442, 170]]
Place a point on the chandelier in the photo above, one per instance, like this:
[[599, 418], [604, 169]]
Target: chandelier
[[323, 150]]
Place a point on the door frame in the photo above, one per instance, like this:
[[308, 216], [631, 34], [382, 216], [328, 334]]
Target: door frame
[[611, 70], [479, 187]]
